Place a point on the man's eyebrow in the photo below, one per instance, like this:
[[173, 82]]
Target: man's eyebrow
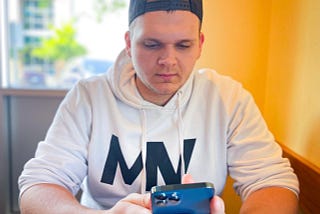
[[186, 40], [151, 39], [178, 41]]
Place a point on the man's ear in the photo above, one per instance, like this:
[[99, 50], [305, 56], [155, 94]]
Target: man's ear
[[128, 43], [201, 41]]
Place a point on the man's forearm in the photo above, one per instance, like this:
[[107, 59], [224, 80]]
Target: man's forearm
[[271, 200], [50, 198]]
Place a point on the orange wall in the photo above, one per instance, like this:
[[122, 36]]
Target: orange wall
[[292, 102], [273, 48], [235, 41]]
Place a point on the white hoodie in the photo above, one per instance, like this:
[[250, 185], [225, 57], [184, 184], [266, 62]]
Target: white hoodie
[[106, 138]]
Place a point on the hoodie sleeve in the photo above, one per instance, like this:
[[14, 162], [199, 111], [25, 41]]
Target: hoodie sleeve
[[62, 157], [254, 158]]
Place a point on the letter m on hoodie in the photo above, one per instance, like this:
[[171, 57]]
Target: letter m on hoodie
[[157, 158]]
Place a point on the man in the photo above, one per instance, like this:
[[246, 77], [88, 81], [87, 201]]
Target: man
[[152, 120]]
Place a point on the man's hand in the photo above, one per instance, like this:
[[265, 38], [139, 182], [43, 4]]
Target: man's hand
[[133, 203], [141, 203], [216, 203], [51, 199]]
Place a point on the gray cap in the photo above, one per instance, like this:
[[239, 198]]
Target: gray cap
[[139, 7]]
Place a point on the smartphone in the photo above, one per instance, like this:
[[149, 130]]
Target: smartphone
[[191, 198]]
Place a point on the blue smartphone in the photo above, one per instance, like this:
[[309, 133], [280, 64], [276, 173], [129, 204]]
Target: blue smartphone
[[191, 198]]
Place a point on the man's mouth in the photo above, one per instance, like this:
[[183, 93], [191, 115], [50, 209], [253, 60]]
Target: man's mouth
[[166, 77]]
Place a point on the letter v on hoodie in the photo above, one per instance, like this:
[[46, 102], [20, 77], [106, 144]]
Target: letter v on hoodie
[[107, 139]]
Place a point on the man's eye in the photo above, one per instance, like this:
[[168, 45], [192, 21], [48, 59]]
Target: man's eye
[[151, 45], [183, 45]]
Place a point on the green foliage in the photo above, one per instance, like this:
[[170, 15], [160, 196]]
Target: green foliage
[[61, 46], [44, 3]]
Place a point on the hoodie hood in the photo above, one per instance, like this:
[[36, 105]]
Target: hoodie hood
[[121, 77]]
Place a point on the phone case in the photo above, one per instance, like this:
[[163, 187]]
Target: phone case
[[191, 198]]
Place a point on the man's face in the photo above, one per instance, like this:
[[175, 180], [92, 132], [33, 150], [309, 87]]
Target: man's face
[[164, 47]]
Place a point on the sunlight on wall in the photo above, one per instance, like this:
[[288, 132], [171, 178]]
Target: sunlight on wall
[[235, 42], [292, 102], [273, 48]]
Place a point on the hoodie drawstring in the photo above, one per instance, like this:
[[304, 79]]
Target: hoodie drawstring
[[180, 134], [143, 150]]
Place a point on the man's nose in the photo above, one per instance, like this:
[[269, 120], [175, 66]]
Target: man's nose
[[168, 57]]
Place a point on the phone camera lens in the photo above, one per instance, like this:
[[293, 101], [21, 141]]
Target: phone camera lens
[[174, 197], [161, 196]]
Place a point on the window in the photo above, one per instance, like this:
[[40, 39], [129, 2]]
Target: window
[[54, 43]]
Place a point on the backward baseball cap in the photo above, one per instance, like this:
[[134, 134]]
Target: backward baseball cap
[[140, 7]]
